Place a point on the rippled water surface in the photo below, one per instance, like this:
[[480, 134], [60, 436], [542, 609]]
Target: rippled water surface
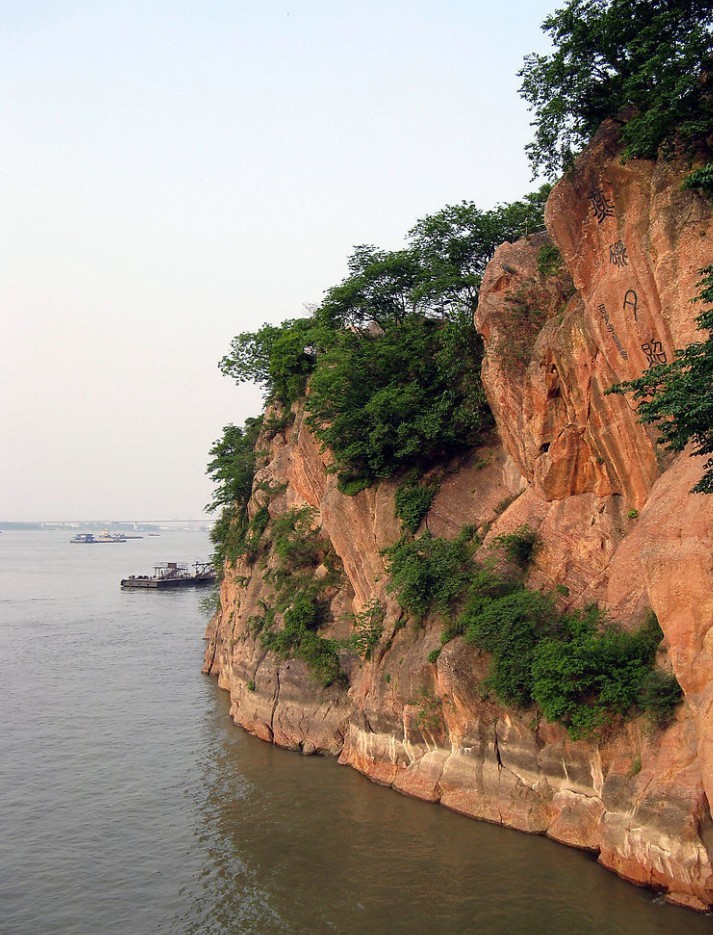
[[129, 803]]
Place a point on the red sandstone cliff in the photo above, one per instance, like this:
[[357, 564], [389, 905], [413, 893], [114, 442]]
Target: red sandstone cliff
[[576, 464]]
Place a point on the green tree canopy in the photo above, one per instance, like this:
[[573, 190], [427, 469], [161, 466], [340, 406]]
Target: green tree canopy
[[232, 464], [407, 396], [379, 288], [276, 357], [645, 62], [454, 245]]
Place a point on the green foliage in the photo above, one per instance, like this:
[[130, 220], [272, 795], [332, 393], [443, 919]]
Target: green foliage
[[351, 486], [434, 654], [518, 546], [300, 597], [368, 629], [295, 540], [549, 260], [276, 422], [232, 469], [454, 246], [392, 354], [408, 396], [678, 396], [641, 61], [429, 573], [632, 513], [659, 694], [232, 464], [413, 501], [508, 625], [700, 180], [275, 357], [580, 671], [586, 679], [380, 289]]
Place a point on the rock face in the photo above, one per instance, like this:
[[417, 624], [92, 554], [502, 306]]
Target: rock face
[[617, 526]]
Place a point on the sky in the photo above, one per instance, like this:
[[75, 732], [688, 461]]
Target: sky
[[174, 173]]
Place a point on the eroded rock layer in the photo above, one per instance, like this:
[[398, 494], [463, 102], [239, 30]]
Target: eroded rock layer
[[615, 519]]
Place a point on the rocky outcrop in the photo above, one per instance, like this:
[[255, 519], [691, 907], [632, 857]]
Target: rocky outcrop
[[617, 526]]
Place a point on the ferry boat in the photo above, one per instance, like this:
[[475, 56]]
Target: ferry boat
[[173, 575]]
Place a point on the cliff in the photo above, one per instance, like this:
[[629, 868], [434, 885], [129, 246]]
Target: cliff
[[617, 526]]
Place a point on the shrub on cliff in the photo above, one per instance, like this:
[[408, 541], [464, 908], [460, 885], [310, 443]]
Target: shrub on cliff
[[429, 573], [232, 469], [300, 597], [408, 396], [643, 62], [413, 501]]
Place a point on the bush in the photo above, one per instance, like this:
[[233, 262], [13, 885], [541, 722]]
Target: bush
[[300, 597], [232, 469], [508, 625], [294, 540], [579, 670], [429, 573], [518, 546], [659, 694], [368, 628], [410, 396], [351, 486], [700, 180], [413, 502], [549, 260]]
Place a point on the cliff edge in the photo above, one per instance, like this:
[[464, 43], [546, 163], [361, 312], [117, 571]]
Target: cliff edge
[[616, 525]]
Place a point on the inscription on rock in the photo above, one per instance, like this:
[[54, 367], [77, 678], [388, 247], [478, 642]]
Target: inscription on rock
[[631, 300], [655, 354], [602, 206], [602, 309], [618, 255]]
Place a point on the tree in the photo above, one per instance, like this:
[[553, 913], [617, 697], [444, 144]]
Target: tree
[[232, 464], [678, 396], [454, 245], [643, 62], [379, 288], [275, 357], [410, 395]]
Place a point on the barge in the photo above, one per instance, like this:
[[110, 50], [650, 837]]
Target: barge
[[87, 538], [173, 575]]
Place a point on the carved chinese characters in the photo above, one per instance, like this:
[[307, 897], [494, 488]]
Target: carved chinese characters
[[610, 328], [601, 205]]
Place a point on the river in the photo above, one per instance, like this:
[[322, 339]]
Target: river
[[130, 803]]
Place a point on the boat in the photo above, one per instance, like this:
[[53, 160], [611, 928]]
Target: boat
[[173, 575], [88, 538]]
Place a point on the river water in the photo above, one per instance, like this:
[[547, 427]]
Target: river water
[[130, 803]]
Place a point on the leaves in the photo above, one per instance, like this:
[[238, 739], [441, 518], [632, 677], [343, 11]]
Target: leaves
[[410, 395], [640, 61]]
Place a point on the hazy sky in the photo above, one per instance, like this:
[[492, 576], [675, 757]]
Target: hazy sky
[[173, 173]]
